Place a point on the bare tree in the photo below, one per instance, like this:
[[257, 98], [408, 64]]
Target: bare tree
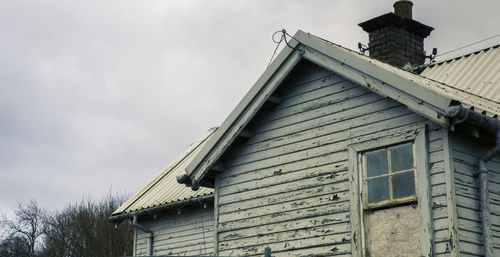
[[26, 227], [79, 230], [83, 230], [14, 246]]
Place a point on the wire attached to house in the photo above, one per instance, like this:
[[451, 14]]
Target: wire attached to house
[[203, 205], [275, 49], [282, 38], [471, 44], [203, 233]]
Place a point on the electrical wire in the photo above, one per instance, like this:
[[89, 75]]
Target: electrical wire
[[471, 44], [275, 49], [203, 233], [282, 38]]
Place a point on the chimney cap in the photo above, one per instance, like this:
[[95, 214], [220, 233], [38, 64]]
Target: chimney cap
[[392, 19], [403, 8]]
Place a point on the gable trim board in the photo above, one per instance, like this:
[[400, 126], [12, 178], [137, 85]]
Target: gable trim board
[[244, 111], [426, 97]]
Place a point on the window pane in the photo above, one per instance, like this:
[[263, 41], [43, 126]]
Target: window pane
[[376, 163], [378, 189], [403, 185], [401, 158]]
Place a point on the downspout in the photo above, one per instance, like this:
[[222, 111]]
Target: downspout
[[493, 125], [149, 244], [484, 195]]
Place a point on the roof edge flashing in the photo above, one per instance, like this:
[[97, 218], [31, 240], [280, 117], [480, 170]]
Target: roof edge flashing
[[117, 218]]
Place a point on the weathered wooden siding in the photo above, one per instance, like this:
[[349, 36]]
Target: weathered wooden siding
[[186, 234], [437, 158], [288, 187], [466, 151]]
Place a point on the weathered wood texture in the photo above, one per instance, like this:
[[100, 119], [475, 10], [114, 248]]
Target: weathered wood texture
[[189, 233], [439, 211], [466, 151], [288, 187]]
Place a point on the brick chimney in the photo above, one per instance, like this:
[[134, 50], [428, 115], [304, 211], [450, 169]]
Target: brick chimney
[[396, 38]]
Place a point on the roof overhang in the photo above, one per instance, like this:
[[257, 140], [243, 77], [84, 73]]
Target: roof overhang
[[117, 218], [429, 98], [163, 192]]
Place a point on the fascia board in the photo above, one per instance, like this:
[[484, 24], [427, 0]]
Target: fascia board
[[376, 86], [243, 113], [409, 83]]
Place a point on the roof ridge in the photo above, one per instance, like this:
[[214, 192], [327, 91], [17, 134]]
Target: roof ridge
[[461, 56]]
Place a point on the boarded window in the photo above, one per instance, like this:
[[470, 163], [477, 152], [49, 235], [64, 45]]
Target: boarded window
[[393, 232], [389, 180]]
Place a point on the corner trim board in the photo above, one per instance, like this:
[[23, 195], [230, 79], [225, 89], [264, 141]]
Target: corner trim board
[[450, 193], [216, 217]]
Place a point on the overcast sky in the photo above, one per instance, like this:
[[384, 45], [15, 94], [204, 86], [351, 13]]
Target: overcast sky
[[99, 96]]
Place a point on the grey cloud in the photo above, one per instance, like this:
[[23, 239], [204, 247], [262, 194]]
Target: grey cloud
[[95, 94]]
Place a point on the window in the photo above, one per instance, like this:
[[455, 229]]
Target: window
[[389, 169], [389, 175]]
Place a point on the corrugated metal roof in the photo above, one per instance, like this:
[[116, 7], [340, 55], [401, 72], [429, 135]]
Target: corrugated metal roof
[[477, 73], [164, 189]]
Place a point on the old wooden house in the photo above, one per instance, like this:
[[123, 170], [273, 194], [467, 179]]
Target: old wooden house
[[334, 153]]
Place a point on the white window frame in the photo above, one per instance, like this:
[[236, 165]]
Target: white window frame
[[364, 180], [358, 146]]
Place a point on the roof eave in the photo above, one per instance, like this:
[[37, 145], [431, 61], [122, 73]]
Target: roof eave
[[141, 198], [119, 217]]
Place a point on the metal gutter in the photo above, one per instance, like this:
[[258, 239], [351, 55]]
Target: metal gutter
[[461, 114], [130, 215]]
